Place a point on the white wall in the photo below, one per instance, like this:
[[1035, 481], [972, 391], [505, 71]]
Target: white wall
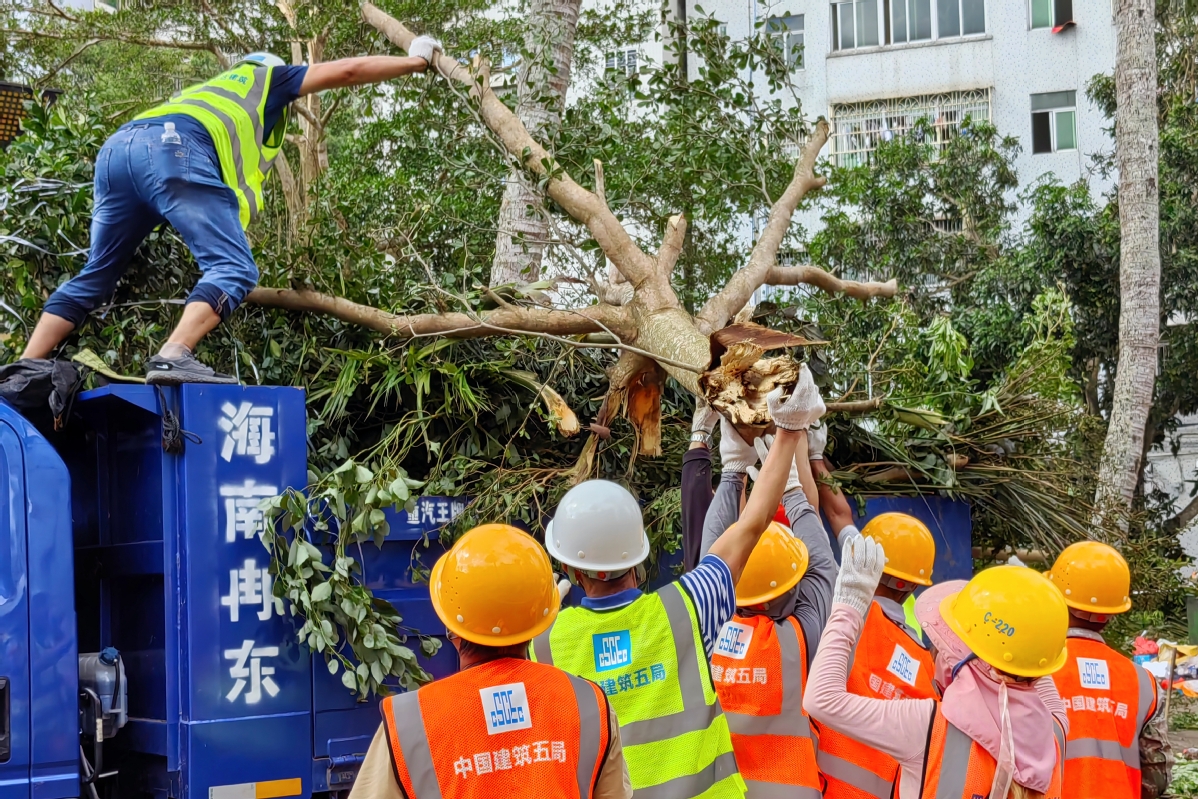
[[1010, 59]]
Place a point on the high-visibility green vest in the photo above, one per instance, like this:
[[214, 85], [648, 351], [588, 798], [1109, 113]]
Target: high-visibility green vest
[[648, 657], [231, 107]]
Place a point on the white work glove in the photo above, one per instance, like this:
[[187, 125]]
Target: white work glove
[[563, 590], [424, 47], [861, 562], [847, 532], [762, 445], [804, 407], [705, 418], [735, 455], [817, 439]]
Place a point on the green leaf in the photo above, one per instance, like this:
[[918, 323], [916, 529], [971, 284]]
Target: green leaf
[[322, 592], [334, 666], [349, 680]]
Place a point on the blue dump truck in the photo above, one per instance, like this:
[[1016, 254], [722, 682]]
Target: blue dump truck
[[140, 653]]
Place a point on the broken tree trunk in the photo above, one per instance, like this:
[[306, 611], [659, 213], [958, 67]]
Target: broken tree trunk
[[651, 327]]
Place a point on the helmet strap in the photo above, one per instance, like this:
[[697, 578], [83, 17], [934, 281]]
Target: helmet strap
[[957, 668]]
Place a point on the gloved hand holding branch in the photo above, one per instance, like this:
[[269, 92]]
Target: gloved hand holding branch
[[791, 416]]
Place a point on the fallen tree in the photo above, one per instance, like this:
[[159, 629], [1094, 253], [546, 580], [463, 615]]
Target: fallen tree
[[656, 335]]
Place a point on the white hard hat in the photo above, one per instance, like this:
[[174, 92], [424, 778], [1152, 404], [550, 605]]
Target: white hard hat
[[598, 528], [265, 59]]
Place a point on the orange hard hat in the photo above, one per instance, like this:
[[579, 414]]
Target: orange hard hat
[[1094, 578], [908, 544], [774, 567], [495, 587]]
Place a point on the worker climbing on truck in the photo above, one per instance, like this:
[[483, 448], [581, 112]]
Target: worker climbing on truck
[[649, 651], [199, 162], [783, 598], [502, 726]]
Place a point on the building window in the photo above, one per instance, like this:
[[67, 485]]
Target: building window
[[960, 17], [787, 33], [623, 60], [858, 128], [1051, 13], [910, 20], [1054, 122], [867, 23], [855, 24]]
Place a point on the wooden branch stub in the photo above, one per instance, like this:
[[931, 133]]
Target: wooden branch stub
[[856, 407], [600, 186], [764, 337]]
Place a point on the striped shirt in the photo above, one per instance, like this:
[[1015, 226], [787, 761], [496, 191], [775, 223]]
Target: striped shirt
[[710, 587]]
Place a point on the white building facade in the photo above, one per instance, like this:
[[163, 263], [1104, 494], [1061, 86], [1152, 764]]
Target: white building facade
[[874, 67]]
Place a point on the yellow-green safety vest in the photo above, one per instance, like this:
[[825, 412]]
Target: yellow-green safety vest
[[232, 107], [649, 659]]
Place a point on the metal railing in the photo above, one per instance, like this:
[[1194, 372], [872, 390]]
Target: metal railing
[[858, 128]]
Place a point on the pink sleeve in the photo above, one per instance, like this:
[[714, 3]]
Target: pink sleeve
[[1047, 689], [897, 727]]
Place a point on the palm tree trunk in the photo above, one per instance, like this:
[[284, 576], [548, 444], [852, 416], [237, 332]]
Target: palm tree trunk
[[541, 87], [1136, 138]]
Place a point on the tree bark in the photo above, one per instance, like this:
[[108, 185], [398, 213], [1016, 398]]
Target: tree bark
[[541, 86], [1136, 139]]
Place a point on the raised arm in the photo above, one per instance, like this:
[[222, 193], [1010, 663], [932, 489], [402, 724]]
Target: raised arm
[[897, 727], [815, 589], [792, 418], [347, 72]]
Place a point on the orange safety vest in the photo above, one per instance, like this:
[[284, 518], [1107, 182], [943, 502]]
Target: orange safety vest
[[1109, 700], [887, 664], [957, 767], [759, 669], [508, 728]]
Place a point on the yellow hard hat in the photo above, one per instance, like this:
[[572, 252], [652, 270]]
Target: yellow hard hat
[[1094, 578], [775, 566], [495, 587], [1012, 618], [908, 544]]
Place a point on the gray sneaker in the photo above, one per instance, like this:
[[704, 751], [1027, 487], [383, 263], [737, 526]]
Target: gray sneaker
[[184, 369]]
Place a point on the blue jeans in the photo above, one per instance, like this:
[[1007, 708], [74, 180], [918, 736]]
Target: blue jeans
[[141, 182]]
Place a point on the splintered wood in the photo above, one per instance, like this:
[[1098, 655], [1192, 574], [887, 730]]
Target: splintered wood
[[737, 387]]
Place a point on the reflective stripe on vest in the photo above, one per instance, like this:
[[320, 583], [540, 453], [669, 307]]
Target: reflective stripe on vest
[[1103, 752], [235, 123], [407, 723], [957, 768], [687, 749], [784, 764], [852, 769]]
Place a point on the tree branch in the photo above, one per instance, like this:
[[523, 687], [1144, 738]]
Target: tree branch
[[44, 79], [856, 407], [814, 276], [720, 308], [671, 245], [108, 37], [1183, 518], [513, 319], [579, 203]]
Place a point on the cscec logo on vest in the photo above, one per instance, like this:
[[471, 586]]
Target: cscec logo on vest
[[612, 650], [505, 707], [734, 640], [1094, 674]]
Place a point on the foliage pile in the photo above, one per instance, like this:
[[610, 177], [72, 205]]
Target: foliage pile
[[994, 360]]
